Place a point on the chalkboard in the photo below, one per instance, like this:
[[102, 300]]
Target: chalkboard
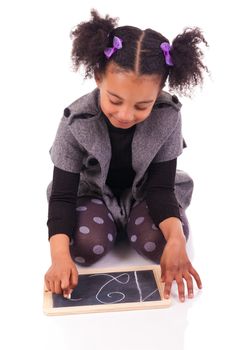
[[110, 290]]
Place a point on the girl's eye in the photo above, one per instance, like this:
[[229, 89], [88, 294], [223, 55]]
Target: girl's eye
[[141, 109], [115, 103], [119, 103]]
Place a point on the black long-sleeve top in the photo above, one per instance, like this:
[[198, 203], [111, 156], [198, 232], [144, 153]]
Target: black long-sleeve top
[[160, 195]]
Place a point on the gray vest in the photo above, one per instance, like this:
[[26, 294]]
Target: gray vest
[[82, 145]]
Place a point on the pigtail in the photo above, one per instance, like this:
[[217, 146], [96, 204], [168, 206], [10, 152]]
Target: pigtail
[[89, 41], [187, 69]]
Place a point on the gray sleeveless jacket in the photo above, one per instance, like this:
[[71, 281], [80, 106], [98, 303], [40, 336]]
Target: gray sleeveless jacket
[[82, 145]]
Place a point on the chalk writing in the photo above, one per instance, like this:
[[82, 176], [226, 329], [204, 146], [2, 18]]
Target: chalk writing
[[112, 288], [117, 279]]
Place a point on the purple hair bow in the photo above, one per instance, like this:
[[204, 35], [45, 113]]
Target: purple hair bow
[[166, 51], [117, 44]]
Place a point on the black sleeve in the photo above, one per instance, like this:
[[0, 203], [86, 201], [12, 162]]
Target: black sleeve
[[62, 203], [160, 196]]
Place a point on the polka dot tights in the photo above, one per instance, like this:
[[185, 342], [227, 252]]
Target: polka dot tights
[[146, 238], [96, 232]]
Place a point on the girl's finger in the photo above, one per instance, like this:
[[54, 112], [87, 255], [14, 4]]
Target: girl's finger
[[65, 282], [167, 288], [162, 279], [52, 286], [162, 274], [189, 282], [47, 285], [196, 276], [57, 287], [74, 277], [180, 284]]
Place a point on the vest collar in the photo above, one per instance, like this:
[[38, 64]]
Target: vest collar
[[87, 124]]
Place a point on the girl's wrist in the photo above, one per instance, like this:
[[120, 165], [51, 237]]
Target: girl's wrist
[[59, 247], [172, 229], [60, 254], [178, 239]]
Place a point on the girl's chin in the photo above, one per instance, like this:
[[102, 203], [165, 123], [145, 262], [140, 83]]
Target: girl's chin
[[124, 125]]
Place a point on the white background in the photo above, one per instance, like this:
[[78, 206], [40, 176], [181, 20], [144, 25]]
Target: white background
[[37, 83]]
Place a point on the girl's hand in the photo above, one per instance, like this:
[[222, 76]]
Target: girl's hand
[[62, 276], [175, 265]]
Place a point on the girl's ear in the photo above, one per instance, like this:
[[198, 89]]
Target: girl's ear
[[98, 78]]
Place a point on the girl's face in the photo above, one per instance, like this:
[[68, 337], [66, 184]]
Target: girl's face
[[125, 98]]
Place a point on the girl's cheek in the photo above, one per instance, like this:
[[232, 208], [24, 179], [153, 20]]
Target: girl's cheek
[[111, 111]]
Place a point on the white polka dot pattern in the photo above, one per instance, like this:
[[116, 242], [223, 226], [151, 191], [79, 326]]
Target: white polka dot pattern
[[98, 249], [98, 220], [139, 220], [97, 201], [84, 229], [79, 259], [110, 237], [149, 246], [133, 238], [81, 208]]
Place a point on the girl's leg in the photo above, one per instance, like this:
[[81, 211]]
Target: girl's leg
[[146, 238], [95, 233]]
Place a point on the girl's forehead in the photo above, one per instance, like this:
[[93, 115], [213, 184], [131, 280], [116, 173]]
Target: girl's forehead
[[117, 72], [124, 83]]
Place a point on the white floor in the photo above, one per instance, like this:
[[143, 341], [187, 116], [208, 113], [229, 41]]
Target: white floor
[[199, 323], [37, 83]]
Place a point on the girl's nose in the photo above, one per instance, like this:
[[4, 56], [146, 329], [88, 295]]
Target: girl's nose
[[125, 117]]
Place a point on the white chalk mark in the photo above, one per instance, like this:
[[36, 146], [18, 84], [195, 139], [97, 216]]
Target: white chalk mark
[[138, 287], [73, 299], [150, 294], [111, 293]]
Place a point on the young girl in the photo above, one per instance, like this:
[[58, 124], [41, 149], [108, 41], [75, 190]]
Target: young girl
[[116, 150]]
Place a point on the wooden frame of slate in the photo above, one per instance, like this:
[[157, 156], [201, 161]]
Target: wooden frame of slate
[[111, 289]]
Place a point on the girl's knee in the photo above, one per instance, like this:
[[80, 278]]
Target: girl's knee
[[149, 244], [87, 252], [96, 232], [146, 238]]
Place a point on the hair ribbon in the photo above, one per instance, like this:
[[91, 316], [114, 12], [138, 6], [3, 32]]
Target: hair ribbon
[[117, 45], [166, 47]]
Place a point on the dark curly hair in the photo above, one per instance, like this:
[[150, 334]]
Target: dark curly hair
[[141, 52]]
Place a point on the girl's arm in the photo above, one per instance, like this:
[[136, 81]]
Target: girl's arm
[[62, 203], [62, 276], [164, 210]]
